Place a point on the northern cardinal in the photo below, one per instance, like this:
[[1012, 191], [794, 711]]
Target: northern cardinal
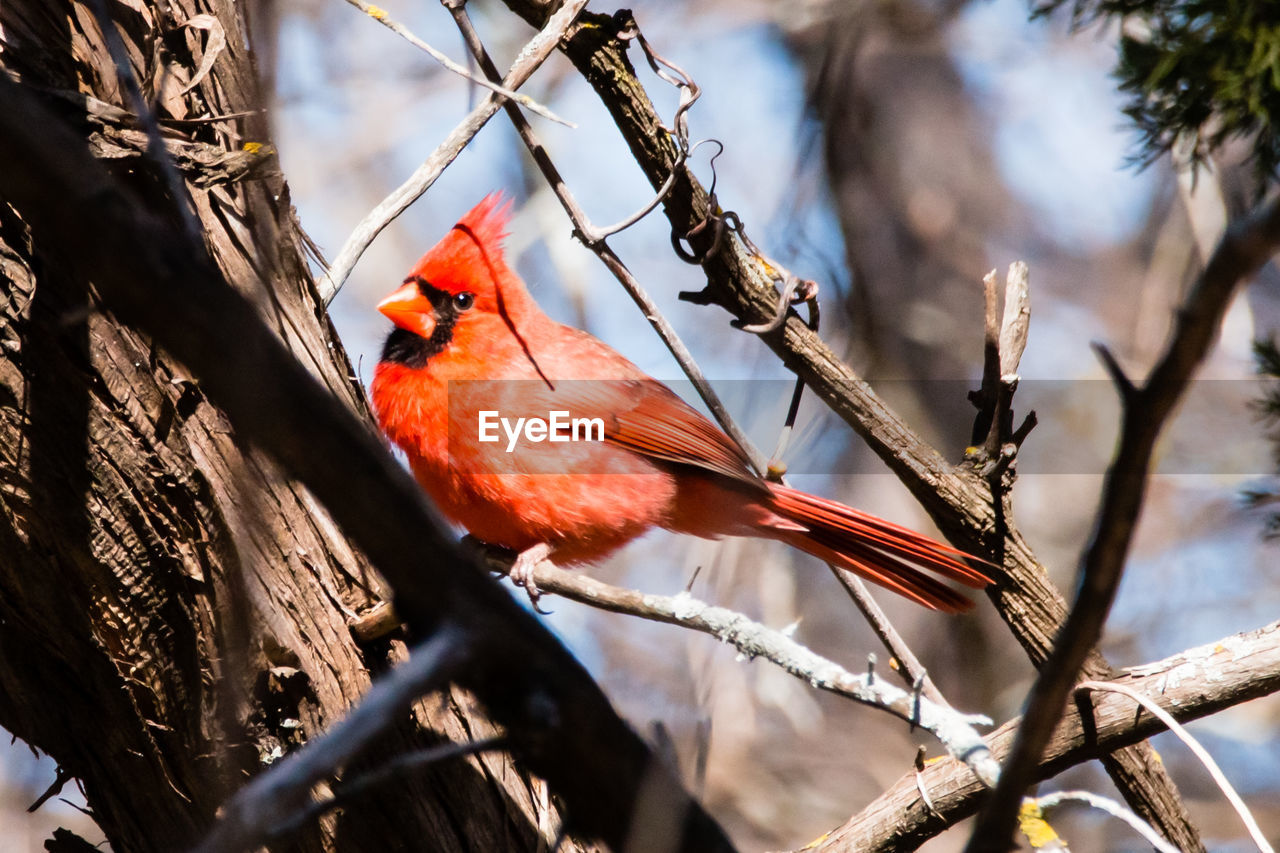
[[471, 348]]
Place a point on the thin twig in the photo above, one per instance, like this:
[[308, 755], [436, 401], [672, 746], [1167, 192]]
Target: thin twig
[[1004, 340], [533, 55], [60, 778], [272, 799], [1124, 385], [380, 15], [1245, 246], [912, 671], [1112, 808], [389, 771], [753, 640], [596, 243], [201, 120], [1219, 778], [920, 786]]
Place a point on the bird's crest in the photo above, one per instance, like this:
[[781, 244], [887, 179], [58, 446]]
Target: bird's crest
[[488, 220], [470, 257]]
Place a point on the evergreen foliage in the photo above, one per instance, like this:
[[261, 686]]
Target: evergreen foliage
[[1198, 73]]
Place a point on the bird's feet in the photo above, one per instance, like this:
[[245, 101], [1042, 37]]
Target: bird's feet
[[521, 572]]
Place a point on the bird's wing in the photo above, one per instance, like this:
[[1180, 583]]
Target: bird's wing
[[648, 418], [663, 426], [640, 413]]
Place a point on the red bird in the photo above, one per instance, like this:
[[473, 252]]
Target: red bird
[[542, 439]]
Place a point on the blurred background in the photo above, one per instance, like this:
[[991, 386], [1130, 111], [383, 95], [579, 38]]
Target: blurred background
[[894, 151]]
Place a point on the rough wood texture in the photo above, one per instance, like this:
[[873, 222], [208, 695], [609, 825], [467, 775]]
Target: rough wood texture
[[556, 718], [957, 499], [172, 611], [1189, 685]]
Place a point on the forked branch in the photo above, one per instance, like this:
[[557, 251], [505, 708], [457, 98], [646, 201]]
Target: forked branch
[[1244, 248]]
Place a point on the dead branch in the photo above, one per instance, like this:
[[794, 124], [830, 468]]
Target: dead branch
[[1111, 807], [1188, 685], [753, 640], [1202, 754], [380, 15], [532, 56], [1246, 246], [274, 800], [913, 672]]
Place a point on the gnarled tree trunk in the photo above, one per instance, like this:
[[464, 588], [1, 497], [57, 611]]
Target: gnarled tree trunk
[[173, 613]]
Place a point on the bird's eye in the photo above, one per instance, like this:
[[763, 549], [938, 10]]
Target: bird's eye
[[464, 300]]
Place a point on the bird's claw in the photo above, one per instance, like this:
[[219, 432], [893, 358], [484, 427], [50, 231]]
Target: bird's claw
[[525, 581], [521, 573]]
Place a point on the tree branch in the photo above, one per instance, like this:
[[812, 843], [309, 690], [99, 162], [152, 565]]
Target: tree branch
[[532, 56], [1057, 798], [273, 800], [1189, 685], [1219, 778], [913, 672], [380, 15], [953, 729], [1244, 248]]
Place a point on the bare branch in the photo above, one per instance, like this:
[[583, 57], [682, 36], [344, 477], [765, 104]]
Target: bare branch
[[1124, 385], [753, 640], [1246, 245], [380, 15], [390, 771], [274, 799], [913, 672], [1004, 340], [1189, 685], [1017, 318], [1219, 778], [1112, 808], [533, 55]]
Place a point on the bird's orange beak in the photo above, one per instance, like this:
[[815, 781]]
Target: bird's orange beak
[[410, 310]]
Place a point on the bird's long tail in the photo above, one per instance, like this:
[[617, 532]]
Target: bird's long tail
[[878, 550]]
